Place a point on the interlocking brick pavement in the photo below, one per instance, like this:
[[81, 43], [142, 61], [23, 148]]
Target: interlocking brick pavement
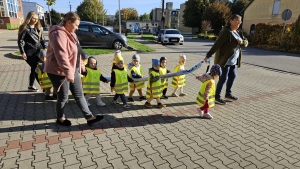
[[260, 130]]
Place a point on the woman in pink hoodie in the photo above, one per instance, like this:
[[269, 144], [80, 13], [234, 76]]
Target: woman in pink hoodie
[[63, 66]]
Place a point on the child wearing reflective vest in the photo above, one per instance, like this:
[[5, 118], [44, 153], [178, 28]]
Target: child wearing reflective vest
[[154, 87], [136, 71], [162, 71], [44, 80], [91, 81], [206, 95], [179, 81], [119, 81]]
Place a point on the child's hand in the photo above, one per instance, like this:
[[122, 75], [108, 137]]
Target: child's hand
[[112, 89]]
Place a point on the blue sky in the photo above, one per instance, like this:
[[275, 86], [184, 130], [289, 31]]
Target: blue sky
[[142, 6]]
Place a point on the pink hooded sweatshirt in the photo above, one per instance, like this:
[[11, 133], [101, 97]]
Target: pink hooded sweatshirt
[[62, 52]]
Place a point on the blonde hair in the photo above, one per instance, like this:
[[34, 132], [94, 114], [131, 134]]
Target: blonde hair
[[27, 21], [70, 16]]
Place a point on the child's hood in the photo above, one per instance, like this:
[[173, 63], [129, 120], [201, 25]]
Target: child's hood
[[204, 77]]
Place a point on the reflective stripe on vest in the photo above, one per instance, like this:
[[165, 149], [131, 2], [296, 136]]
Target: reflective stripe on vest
[[154, 90], [91, 83], [44, 80], [211, 95], [121, 85]]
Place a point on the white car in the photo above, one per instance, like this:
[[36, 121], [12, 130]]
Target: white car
[[172, 36]]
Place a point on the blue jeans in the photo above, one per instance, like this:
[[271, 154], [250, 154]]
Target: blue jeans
[[122, 96], [63, 94], [228, 74]]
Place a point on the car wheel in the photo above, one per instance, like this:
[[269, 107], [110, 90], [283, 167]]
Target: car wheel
[[117, 45], [180, 43]]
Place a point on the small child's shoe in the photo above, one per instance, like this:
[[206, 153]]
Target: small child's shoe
[[54, 96], [130, 99], [207, 116], [47, 97], [147, 104], [160, 105], [126, 106], [164, 97], [142, 98], [115, 102], [182, 94], [174, 95], [200, 112], [100, 103]]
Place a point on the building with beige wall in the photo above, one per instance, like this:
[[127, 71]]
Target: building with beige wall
[[268, 11]]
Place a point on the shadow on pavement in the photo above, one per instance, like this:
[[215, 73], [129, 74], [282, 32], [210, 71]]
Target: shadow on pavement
[[21, 111]]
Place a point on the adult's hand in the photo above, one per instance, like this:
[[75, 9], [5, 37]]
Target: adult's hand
[[70, 80], [205, 59], [24, 56], [240, 41]]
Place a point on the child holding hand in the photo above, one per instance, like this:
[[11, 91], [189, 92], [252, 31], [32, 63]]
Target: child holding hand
[[91, 81], [135, 71], [206, 95]]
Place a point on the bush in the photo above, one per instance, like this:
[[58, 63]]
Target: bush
[[269, 37]]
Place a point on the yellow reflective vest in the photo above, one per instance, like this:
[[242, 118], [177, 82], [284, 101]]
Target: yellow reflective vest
[[154, 90], [211, 96], [91, 82], [164, 82], [121, 85], [139, 71], [44, 79], [178, 81]]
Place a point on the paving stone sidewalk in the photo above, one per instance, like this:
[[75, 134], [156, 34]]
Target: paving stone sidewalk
[[260, 130]]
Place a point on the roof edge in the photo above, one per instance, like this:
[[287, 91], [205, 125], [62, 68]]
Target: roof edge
[[242, 11]]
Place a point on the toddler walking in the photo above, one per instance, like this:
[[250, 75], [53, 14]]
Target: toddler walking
[[91, 81], [206, 94]]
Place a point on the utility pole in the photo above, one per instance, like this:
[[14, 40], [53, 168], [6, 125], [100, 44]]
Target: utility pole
[[119, 19], [162, 15], [70, 6], [102, 13]]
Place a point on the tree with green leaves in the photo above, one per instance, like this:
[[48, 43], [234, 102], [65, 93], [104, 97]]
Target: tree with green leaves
[[56, 17], [145, 17], [50, 3], [218, 13], [192, 14], [91, 10], [238, 5]]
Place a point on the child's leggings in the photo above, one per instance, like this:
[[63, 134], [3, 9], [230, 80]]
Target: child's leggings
[[205, 107], [157, 100], [122, 96], [181, 89]]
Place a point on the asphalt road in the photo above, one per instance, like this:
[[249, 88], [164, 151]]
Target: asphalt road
[[276, 61]]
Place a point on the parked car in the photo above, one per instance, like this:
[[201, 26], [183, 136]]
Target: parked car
[[172, 36], [91, 34], [160, 32]]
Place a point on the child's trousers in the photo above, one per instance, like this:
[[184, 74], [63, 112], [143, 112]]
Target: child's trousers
[[205, 107]]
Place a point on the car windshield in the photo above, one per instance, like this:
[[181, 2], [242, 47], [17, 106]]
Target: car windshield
[[172, 32]]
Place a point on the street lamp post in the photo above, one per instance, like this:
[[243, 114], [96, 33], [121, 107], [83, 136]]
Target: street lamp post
[[119, 19], [103, 13]]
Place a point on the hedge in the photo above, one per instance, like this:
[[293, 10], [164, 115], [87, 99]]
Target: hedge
[[268, 36]]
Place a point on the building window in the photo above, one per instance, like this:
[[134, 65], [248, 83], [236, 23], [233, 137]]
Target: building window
[[276, 7], [12, 8], [1, 2], [2, 13], [1, 21]]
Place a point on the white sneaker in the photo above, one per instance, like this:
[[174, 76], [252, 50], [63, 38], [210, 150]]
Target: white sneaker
[[126, 106], [200, 112], [207, 116], [101, 104]]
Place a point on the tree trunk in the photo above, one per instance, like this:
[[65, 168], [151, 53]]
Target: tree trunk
[[49, 15]]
